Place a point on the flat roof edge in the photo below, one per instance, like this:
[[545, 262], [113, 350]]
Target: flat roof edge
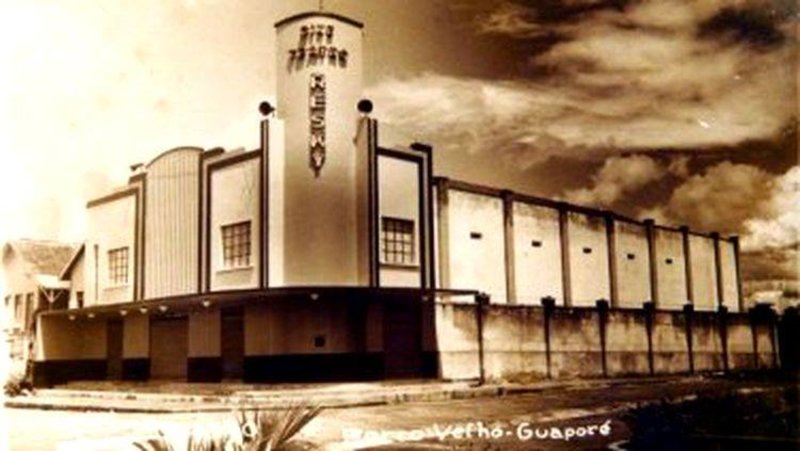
[[329, 15]]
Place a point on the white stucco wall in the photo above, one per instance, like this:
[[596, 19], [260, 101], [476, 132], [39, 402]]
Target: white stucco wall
[[321, 233], [729, 279], [633, 264], [276, 204], [588, 254], [672, 293], [398, 197], [537, 265], [704, 275], [234, 199], [477, 262], [110, 225]]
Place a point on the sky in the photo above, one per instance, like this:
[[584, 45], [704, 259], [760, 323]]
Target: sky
[[680, 110]]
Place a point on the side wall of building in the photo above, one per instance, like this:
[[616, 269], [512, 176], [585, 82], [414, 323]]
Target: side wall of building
[[730, 276], [537, 246], [671, 262], [588, 258], [235, 195], [632, 263], [704, 274], [111, 227], [476, 243]]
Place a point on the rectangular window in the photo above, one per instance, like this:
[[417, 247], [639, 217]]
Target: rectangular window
[[236, 245], [118, 266], [79, 298], [397, 241]]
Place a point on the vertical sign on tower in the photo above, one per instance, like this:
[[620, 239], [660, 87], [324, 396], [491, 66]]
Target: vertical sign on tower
[[317, 122]]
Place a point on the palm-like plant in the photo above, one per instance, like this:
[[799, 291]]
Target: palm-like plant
[[274, 430], [261, 430]]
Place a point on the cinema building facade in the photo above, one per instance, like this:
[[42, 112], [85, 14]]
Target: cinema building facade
[[327, 255]]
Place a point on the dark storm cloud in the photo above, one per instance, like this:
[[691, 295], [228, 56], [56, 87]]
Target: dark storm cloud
[[758, 26], [771, 264]]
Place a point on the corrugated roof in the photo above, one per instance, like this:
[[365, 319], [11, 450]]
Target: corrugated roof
[[45, 257]]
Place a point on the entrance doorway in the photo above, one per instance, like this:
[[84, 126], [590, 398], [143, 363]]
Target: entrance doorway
[[402, 338], [114, 330], [232, 342], [169, 348]]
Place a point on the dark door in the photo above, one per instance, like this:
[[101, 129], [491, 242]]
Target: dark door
[[232, 343], [402, 338], [114, 349], [169, 348]]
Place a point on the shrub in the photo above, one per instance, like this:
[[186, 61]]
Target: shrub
[[17, 385]]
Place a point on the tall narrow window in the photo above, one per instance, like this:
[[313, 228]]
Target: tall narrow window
[[118, 266], [397, 241], [236, 245], [79, 298]]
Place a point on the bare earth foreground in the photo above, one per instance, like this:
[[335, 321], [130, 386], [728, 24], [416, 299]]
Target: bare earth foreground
[[509, 422]]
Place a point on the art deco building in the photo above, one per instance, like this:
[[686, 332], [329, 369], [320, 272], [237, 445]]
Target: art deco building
[[320, 254]]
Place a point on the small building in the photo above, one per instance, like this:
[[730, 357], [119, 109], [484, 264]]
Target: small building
[[31, 283], [327, 254]]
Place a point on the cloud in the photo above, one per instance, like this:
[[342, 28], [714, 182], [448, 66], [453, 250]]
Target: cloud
[[511, 19], [512, 119], [618, 177], [738, 199], [722, 198], [647, 76], [670, 84], [780, 227], [779, 263]]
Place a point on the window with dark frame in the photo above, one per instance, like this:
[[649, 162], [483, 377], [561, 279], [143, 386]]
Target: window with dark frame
[[236, 245], [397, 241], [118, 266]]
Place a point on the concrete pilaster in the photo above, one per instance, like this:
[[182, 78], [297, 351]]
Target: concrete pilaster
[[508, 235], [718, 270], [563, 229], [443, 213], [613, 277], [651, 249], [687, 258]]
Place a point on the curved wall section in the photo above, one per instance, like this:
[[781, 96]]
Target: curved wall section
[[172, 224]]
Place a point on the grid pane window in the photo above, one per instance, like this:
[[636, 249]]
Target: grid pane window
[[397, 241], [118, 266], [236, 245]]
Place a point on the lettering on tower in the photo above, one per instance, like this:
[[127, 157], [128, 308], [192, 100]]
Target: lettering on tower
[[317, 122], [316, 47]]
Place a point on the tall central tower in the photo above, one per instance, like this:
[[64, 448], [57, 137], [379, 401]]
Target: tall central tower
[[319, 82]]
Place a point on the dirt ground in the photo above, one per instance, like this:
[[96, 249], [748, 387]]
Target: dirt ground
[[522, 420]]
